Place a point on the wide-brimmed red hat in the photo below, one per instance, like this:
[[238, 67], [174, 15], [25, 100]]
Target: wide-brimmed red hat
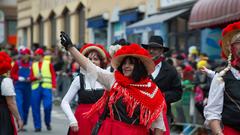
[[96, 47], [5, 64], [230, 35], [133, 50]]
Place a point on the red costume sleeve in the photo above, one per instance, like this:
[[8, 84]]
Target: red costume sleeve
[[14, 71], [53, 76]]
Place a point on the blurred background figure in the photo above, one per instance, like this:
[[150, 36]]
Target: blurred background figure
[[20, 74], [44, 82], [8, 107]]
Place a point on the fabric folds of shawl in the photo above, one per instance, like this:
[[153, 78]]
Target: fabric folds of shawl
[[150, 106]]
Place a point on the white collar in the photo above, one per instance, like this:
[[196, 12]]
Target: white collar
[[235, 73]]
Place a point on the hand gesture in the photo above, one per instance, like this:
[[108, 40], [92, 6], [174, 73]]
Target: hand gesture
[[65, 40]]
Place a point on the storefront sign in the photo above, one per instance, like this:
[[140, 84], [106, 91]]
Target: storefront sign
[[2, 28], [169, 3]]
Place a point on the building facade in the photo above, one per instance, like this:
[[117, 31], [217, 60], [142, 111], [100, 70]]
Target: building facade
[[40, 22], [210, 17], [104, 21], [8, 22]]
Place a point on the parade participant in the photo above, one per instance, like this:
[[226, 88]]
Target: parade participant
[[87, 93], [43, 82], [223, 105], [164, 75], [8, 107], [132, 102], [20, 74]]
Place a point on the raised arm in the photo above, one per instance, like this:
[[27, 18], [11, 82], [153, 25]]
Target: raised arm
[[95, 73], [67, 43]]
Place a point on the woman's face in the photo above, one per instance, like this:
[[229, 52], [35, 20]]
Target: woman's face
[[127, 68], [93, 56], [236, 50]]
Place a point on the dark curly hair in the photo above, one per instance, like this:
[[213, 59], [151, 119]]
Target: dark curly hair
[[139, 71]]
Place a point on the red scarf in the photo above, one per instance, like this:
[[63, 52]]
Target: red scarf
[[158, 60], [151, 104]]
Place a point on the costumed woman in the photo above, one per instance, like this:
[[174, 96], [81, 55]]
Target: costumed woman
[[133, 104], [88, 92], [8, 107], [223, 107]]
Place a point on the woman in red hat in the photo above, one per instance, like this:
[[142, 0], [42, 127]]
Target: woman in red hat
[[132, 102], [223, 105], [88, 92], [8, 107]]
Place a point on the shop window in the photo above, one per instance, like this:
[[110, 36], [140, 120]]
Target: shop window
[[134, 38], [100, 36]]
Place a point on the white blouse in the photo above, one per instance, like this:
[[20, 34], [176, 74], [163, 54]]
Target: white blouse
[[104, 77], [214, 107], [7, 87]]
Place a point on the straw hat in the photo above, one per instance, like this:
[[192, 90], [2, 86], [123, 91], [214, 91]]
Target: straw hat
[[133, 50], [230, 35], [96, 47]]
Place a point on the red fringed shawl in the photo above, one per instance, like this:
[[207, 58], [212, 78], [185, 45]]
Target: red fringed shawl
[[144, 93]]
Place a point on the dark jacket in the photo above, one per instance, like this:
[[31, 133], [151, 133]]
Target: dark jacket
[[170, 84]]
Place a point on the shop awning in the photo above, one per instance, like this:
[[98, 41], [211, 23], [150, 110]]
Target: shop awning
[[153, 22], [129, 16], [96, 22], [208, 13]]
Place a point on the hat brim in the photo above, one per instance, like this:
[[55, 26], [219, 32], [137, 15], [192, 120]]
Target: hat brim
[[94, 48], [145, 46], [226, 41], [148, 62]]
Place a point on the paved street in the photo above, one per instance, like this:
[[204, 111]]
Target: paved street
[[59, 124]]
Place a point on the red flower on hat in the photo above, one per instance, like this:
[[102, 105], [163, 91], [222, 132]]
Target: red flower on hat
[[5, 64]]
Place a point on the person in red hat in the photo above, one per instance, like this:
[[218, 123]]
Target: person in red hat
[[8, 107], [43, 79], [132, 103], [88, 92], [223, 105], [20, 74]]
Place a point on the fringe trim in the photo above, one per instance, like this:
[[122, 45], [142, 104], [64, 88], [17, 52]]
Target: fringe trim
[[147, 116]]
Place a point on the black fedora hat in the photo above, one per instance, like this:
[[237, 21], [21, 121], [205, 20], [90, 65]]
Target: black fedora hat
[[156, 42]]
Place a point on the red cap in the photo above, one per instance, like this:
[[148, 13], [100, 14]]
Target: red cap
[[25, 51], [39, 51]]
